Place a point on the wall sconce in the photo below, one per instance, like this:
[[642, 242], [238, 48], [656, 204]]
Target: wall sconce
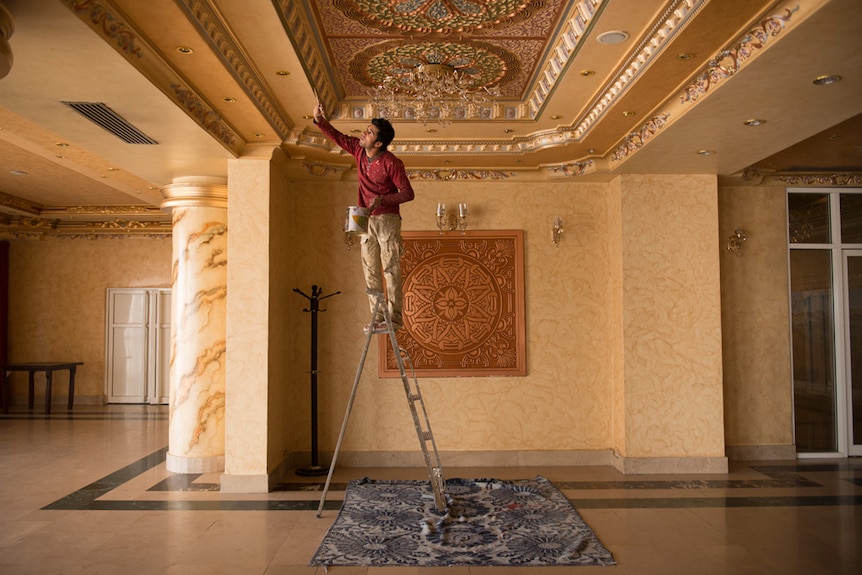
[[734, 242], [448, 221], [557, 231]]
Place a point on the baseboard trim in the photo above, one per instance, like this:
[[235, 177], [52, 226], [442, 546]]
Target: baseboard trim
[[761, 452], [458, 458], [244, 483], [669, 465]]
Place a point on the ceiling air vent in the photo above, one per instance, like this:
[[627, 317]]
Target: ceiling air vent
[[108, 119]]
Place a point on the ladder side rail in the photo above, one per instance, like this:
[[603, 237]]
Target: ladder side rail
[[434, 473], [347, 411], [424, 410]]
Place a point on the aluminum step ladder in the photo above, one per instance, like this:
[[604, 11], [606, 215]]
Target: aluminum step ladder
[[414, 397]]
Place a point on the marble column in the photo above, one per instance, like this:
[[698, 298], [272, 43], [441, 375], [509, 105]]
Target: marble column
[[196, 440]]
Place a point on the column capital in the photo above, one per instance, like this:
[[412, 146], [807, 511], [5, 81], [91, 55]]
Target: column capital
[[7, 28], [195, 191]]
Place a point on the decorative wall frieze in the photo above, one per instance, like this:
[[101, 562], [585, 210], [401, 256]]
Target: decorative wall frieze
[[572, 169], [636, 140], [320, 170], [450, 175], [108, 21], [845, 179], [729, 61], [105, 19]]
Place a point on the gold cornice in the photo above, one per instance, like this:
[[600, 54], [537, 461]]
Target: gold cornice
[[19, 205], [211, 25], [30, 228], [109, 22]]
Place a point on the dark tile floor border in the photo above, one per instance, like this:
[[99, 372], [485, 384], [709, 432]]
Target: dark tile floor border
[[88, 497]]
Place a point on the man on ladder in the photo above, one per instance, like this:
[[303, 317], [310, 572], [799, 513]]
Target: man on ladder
[[383, 187]]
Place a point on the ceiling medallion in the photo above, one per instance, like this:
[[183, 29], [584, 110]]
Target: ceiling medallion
[[437, 16], [433, 82]]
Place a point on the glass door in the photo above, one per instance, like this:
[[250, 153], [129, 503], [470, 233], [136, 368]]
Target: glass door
[[853, 353]]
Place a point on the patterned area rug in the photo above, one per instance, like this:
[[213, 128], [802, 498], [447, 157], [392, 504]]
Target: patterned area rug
[[488, 522]]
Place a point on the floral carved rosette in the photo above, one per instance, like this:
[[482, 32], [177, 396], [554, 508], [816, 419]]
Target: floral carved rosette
[[463, 304]]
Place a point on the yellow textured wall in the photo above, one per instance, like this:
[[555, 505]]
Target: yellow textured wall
[[672, 317], [57, 301], [563, 402], [755, 318]]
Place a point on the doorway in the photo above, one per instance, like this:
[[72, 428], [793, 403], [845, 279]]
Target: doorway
[[138, 352]]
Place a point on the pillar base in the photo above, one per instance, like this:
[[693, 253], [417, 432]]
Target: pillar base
[[178, 464]]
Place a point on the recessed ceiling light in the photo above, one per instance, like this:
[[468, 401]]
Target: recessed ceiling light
[[282, 73], [591, 151], [628, 113], [508, 130], [685, 56], [307, 117], [588, 72], [62, 145], [431, 131], [184, 50], [613, 37], [754, 122], [826, 80], [259, 135], [705, 152], [230, 100]]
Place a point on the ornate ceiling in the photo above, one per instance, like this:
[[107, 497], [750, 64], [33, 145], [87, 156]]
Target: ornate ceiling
[[211, 80]]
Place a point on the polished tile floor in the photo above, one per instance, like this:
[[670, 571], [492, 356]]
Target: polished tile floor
[[87, 492]]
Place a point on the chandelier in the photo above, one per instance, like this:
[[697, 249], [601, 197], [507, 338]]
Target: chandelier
[[432, 93]]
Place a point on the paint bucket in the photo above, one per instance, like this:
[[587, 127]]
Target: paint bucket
[[356, 221]]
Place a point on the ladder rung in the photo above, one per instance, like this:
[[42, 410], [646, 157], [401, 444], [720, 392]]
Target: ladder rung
[[426, 435], [415, 397]]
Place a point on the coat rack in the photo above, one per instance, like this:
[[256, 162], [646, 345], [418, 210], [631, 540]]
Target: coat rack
[[315, 468]]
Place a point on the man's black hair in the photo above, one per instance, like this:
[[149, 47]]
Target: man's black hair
[[385, 131]]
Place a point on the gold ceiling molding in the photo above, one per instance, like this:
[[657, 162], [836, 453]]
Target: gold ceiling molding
[[110, 210], [568, 44], [19, 205], [636, 140], [845, 179], [211, 25], [672, 21], [302, 33], [450, 175], [109, 22], [31, 228], [573, 169], [731, 60], [724, 64]]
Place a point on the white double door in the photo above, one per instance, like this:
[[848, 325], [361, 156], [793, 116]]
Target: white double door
[[138, 338]]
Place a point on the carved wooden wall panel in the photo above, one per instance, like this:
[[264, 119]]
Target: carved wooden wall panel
[[463, 305]]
